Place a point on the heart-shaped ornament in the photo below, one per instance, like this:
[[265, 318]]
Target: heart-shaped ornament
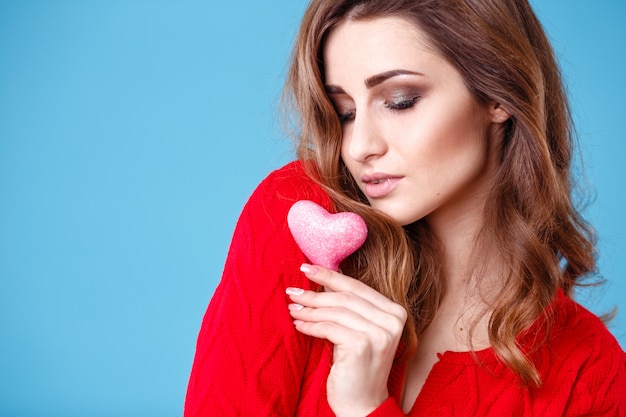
[[325, 238]]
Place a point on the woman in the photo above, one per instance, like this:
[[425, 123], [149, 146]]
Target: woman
[[445, 125]]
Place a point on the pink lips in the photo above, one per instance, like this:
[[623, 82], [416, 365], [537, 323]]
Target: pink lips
[[379, 185]]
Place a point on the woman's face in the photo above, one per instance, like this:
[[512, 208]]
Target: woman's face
[[414, 139]]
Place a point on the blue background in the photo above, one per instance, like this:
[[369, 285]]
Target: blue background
[[131, 134]]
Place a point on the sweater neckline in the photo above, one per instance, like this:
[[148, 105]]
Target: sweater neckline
[[449, 360], [486, 355]]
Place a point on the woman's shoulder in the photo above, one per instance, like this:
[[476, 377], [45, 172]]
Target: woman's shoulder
[[262, 244], [582, 358], [580, 347], [274, 196], [579, 324]]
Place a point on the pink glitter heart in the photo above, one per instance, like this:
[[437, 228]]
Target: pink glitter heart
[[325, 238]]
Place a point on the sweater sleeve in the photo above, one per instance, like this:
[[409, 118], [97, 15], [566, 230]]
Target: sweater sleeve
[[389, 408], [249, 359]]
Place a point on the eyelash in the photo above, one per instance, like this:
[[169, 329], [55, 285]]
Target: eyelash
[[401, 103], [396, 105], [346, 117]]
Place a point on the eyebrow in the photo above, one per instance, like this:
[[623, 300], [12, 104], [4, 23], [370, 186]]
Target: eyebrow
[[380, 78], [374, 80]]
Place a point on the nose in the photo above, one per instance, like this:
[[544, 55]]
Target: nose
[[364, 139]]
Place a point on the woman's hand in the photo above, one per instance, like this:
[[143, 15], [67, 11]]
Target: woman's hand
[[365, 328]]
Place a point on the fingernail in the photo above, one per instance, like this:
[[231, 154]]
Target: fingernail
[[297, 322], [295, 307], [309, 269], [294, 291]]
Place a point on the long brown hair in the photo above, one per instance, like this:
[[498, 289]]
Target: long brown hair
[[504, 56]]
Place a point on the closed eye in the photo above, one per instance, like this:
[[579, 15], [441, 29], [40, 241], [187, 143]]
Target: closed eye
[[401, 103], [347, 116]]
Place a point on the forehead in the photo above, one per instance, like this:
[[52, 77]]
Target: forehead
[[376, 45]]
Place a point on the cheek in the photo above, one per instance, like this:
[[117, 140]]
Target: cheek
[[344, 150], [461, 134], [449, 150]]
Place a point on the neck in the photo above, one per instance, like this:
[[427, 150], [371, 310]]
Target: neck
[[472, 279]]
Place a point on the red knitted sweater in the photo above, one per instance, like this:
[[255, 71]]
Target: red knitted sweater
[[250, 361]]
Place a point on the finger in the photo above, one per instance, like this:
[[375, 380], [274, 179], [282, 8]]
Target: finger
[[345, 302], [375, 340], [341, 283], [381, 323]]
